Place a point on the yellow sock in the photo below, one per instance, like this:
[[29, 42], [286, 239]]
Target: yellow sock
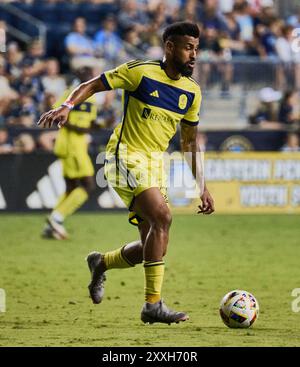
[[72, 202], [154, 275], [60, 200], [116, 260]]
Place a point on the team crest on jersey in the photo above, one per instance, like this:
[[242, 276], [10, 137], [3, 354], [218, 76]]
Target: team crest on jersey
[[182, 101], [146, 113]]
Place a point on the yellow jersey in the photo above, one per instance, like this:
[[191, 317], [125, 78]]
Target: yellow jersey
[[154, 104], [71, 142]]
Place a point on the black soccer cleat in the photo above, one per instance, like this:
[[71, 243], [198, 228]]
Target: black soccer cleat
[[159, 312], [96, 286]]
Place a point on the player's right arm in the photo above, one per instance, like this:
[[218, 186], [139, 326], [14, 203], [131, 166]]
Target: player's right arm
[[60, 114], [124, 77]]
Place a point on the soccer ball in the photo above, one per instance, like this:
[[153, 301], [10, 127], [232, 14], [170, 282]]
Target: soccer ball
[[239, 309]]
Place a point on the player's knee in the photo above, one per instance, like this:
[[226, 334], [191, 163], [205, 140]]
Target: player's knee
[[162, 219], [168, 219]]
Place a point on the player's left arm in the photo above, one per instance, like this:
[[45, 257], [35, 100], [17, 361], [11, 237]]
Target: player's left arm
[[193, 154], [194, 157]]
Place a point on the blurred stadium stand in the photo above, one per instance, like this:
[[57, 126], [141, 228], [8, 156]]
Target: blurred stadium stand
[[236, 98], [246, 67]]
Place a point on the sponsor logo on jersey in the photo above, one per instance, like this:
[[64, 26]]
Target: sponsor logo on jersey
[[153, 116]]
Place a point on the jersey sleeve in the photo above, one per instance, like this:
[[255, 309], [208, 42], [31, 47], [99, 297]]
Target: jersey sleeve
[[123, 77], [192, 116]]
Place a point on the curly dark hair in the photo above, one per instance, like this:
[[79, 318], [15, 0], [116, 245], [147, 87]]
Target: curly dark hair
[[181, 29]]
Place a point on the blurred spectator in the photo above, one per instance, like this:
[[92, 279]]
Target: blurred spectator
[[131, 16], [24, 143], [5, 144], [231, 39], [28, 83], [214, 58], [244, 19], [266, 15], [23, 1], [283, 45], [46, 141], [7, 94], [159, 20], [100, 1], [133, 45], [289, 70], [294, 19], [171, 8], [36, 57], [289, 109], [226, 6], [24, 113], [269, 38], [4, 35], [209, 16], [231, 30], [257, 6], [108, 44], [52, 82], [191, 10], [266, 115], [79, 46], [48, 102], [292, 143], [14, 61], [254, 48]]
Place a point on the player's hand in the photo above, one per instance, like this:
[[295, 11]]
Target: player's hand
[[58, 116], [207, 206]]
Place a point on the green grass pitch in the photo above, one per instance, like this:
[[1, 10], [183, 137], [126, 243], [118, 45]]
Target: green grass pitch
[[46, 282]]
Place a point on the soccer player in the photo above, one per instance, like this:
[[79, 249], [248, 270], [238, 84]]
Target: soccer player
[[71, 147], [158, 95]]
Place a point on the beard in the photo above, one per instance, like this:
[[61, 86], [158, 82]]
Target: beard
[[183, 68]]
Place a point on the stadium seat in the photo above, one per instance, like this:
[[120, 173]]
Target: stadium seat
[[96, 13], [46, 12], [4, 15], [27, 8], [67, 12], [26, 27], [56, 39], [92, 28]]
